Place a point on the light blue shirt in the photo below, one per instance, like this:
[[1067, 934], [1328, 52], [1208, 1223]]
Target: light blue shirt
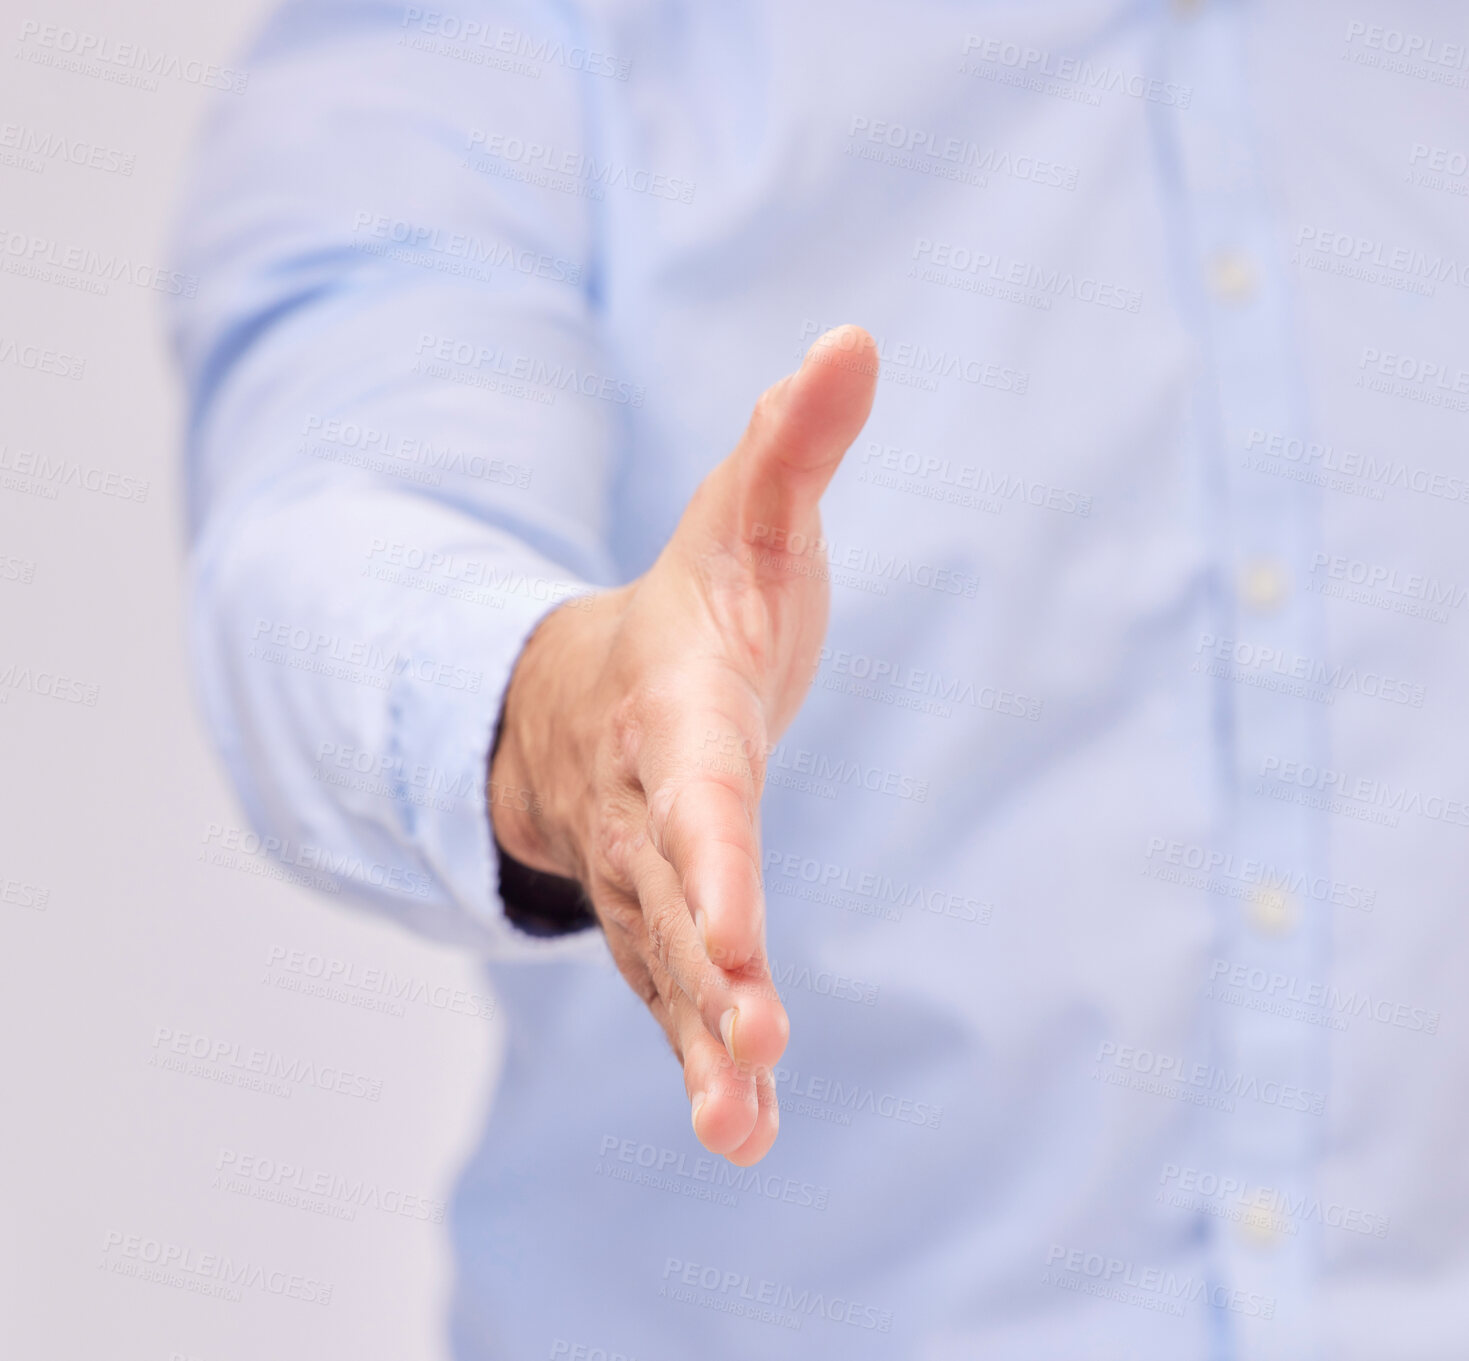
[[1117, 862]]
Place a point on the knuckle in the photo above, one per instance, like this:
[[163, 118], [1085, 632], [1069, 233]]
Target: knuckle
[[613, 845], [679, 811], [663, 820], [617, 911], [624, 732], [758, 753], [659, 947]]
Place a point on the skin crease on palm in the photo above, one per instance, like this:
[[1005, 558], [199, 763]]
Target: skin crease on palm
[[639, 719]]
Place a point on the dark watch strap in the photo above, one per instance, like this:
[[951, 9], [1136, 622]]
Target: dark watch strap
[[542, 904], [537, 903]]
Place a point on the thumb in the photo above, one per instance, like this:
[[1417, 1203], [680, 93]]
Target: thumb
[[796, 437], [799, 431]]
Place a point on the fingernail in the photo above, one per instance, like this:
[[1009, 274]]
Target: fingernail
[[698, 1101], [727, 1029]]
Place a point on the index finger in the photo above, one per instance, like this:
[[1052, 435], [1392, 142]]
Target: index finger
[[703, 817]]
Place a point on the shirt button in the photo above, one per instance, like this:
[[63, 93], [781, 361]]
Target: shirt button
[[1260, 1228], [1264, 584], [1273, 911], [1232, 276]]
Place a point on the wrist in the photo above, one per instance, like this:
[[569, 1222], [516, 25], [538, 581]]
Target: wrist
[[538, 770]]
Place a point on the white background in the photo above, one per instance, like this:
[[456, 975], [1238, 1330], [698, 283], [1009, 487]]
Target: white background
[[115, 927]]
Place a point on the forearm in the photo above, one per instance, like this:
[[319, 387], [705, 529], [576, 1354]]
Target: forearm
[[353, 492], [354, 703]]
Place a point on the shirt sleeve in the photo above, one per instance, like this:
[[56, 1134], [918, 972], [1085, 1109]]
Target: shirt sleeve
[[401, 435]]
